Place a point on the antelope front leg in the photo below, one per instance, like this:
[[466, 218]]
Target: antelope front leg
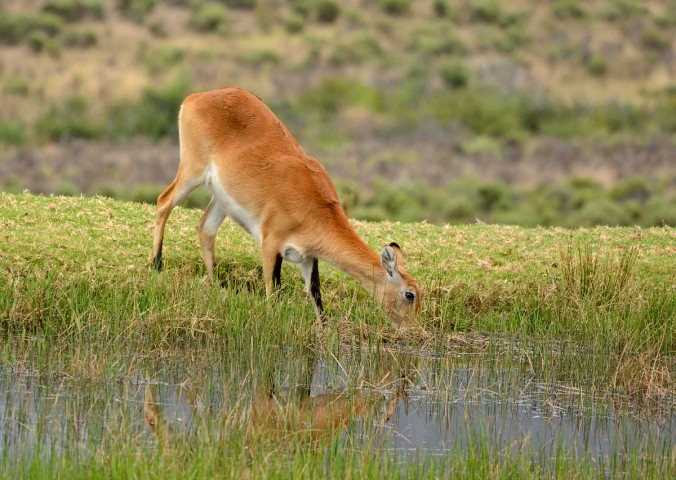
[[310, 269]]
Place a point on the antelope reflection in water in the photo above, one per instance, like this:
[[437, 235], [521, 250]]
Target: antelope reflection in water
[[295, 413]]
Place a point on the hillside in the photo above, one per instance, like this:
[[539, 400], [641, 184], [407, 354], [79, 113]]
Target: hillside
[[523, 95]]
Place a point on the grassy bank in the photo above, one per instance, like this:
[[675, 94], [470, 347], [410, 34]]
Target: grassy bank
[[80, 266], [588, 313]]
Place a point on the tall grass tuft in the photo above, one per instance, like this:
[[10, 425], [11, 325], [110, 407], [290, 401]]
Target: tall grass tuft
[[588, 279]]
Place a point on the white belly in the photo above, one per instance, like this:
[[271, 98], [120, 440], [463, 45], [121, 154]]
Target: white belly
[[234, 210]]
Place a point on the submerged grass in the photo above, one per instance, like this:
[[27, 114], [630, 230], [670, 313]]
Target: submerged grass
[[93, 417], [590, 312]]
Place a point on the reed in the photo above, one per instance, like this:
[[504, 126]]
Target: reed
[[571, 322]]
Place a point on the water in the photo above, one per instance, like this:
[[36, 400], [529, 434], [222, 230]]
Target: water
[[410, 405]]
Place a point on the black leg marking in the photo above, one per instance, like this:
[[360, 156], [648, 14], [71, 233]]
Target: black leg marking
[[157, 261], [314, 288], [277, 273]]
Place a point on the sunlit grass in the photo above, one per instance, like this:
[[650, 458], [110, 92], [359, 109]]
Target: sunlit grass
[[586, 315]]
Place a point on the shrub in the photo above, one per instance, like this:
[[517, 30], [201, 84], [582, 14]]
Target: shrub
[[653, 39], [569, 9], [624, 9], [16, 28], [301, 7], [258, 57], [442, 9], [395, 7], [294, 23], [75, 10], [634, 188], [493, 196], [135, 10], [333, 94], [596, 65], [665, 112], [459, 209], [39, 41], [485, 112], [80, 38], [488, 11], [12, 132], [241, 4], [435, 42], [16, 86], [67, 121], [162, 58], [600, 212], [328, 11], [617, 117], [358, 49], [11, 184], [154, 115], [659, 212], [158, 28], [666, 21], [210, 17]]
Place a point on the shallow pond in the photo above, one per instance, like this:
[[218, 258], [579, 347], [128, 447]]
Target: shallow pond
[[410, 405]]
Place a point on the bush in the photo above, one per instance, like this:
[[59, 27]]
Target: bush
[[80, 38], [210, 17], [454, 74], [494, 196], [624, 9], [158, 28], [665, 112], [12, 28], [241, 4], [653, 39], [67, 121], [488, 11], [75, 10], [358, 49], [442, 9], [596, 65], [40, 42], [258, 57], [162, 58], [600, 212], [435, 42], [16, 86], [395, 7], [154, 115], [660, 212], [301, 7], [135, 10], [333, 94], [12, 132], [485, 112], [328, 11], [294, 23], [634, 188], [459, 210], [16, 28], [569, 9]]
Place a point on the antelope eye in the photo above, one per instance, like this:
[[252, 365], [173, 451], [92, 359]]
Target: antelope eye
[[410, 296]]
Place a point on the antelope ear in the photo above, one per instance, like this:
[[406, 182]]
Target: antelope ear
[[388, 258]]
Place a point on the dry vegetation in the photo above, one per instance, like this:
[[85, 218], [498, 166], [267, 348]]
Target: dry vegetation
[[523, 93]]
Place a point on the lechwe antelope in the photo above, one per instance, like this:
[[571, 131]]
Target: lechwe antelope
[[259, 175]]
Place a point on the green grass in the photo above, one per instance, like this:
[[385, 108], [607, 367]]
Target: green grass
[[592, 310], [73, 264]]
